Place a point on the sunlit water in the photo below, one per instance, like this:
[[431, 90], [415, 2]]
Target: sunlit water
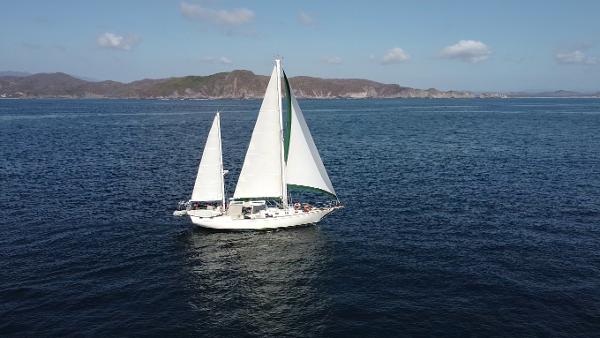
[[463, 217]]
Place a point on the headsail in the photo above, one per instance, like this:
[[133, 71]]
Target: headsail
[[304, 167], [262, 174], [209, 181]]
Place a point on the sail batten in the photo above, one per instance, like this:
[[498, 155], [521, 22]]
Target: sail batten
[[209, 180]]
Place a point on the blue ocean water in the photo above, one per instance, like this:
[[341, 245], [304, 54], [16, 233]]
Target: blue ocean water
[[462, 218]]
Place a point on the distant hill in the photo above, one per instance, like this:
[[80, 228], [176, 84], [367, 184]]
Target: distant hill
[[236, 84], [239, 84]]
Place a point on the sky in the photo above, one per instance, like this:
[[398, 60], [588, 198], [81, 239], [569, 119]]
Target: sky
[[462, 45]]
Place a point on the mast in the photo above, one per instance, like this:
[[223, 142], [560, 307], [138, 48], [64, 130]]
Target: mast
[[281, 138], [222, 171]]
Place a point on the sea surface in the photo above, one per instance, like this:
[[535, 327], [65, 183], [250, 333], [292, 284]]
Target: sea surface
[[463, 218]]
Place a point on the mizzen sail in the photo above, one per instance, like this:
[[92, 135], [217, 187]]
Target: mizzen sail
[[209, 181]]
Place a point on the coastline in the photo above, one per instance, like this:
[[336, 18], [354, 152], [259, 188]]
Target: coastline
[[301, 98]]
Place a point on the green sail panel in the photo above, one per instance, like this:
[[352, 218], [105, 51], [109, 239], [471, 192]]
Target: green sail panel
[[288, 118], [311, 189]]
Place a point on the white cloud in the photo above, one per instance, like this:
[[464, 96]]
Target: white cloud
[[221, 60], [467, 50], [332, 60], [395, 55], [233, 17], [576, 57], [114, 41], [305, 19]]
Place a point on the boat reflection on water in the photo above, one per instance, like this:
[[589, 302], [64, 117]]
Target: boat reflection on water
[[259, 283]]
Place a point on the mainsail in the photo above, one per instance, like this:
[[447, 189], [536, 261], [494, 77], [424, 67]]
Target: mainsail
[[304, 167], [209, 181], [262, 172]]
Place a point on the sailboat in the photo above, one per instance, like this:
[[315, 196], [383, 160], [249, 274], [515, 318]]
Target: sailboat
[[280, 157]]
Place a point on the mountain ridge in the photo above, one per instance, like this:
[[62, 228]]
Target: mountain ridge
[[236, 84]]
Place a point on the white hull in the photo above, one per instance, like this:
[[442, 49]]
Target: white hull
[[293, 218]]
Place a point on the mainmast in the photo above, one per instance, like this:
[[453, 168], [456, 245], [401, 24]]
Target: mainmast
[[222, 170], [283, 180]]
